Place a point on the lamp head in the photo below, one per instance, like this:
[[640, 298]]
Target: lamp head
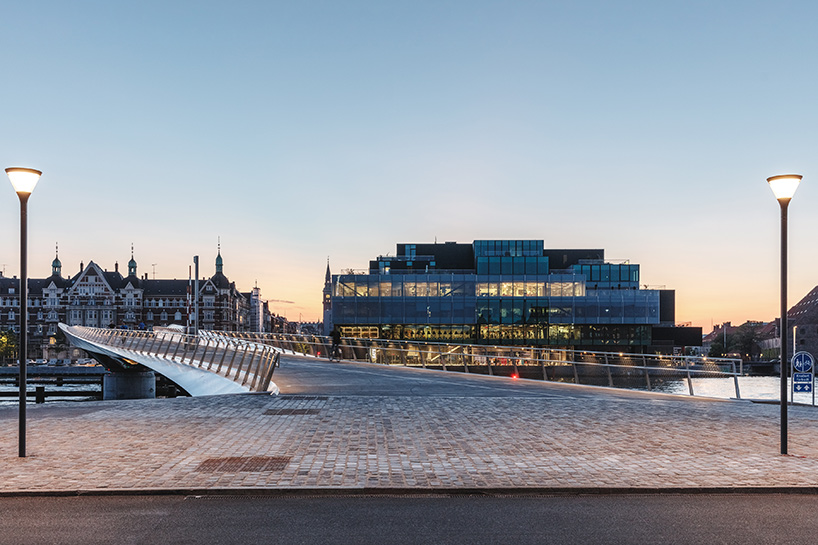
[[23, 179], [784, 185]]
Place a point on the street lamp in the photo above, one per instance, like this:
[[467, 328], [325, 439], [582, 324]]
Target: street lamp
[[784, 187], [23, 180]]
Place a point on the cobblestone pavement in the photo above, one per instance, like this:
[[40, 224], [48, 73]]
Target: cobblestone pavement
[[396, 442]]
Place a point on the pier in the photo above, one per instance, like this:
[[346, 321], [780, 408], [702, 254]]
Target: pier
[[49, 381]]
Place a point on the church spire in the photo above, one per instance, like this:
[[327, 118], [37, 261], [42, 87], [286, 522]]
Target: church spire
[[132, 264], [219, 262], [56, 265]]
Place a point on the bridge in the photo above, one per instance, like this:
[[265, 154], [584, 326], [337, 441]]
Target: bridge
[[217, 362], [205, 364]]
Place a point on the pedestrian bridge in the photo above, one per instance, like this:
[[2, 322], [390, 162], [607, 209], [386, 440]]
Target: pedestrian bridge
[[206, 364]]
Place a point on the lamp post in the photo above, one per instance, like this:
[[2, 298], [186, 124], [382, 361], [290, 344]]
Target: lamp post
[[23, 180], [784, 187]]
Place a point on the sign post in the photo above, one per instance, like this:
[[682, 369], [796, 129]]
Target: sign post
[[803, 374]]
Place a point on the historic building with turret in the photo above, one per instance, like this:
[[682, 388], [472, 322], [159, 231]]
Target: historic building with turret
[[97, 297]]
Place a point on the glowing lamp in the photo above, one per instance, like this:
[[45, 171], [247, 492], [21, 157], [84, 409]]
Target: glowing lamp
[[23, 179], [784, 185]]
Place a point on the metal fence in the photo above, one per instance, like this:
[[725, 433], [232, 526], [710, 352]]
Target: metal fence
[[249, 364], [613, 369]]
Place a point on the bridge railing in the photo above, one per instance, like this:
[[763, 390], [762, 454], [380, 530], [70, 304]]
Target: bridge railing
[[249, 364], [613, 369]]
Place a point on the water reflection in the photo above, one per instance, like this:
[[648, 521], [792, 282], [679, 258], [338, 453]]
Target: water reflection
[[724, 388]]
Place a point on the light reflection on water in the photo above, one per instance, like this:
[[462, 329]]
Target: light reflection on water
[[49, 388], [724, 388]]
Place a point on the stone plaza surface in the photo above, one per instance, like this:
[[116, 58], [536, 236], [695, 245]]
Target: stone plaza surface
[[562, 437]]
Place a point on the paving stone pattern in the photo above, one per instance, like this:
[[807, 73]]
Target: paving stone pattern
[[406, 442]]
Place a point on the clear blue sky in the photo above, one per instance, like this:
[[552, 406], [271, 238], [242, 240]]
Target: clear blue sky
[[301, 130]]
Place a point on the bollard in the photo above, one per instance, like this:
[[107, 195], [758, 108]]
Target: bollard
[[39, 394]]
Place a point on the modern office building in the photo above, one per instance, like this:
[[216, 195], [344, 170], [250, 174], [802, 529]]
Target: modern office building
[[506, 292]]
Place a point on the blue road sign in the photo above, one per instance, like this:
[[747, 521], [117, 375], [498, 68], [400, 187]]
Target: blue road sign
[[805, 387], [802, 377], [803, 362]]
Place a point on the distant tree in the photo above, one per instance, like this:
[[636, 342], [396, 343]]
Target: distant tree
[[59, 339], [745, 340], [8, 344], [717, 348]]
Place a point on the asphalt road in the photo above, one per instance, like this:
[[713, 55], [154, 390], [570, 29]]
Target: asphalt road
[[438, 519]]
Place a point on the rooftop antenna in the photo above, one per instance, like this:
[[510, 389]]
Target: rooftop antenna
[[154, 270]]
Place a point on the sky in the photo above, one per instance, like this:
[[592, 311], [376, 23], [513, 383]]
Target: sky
[[296, 132]]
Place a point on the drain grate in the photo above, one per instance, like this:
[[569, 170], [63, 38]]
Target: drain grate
[[233, 464], [282, 412]]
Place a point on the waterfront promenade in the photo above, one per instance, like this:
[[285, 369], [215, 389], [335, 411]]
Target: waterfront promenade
[[366, 428]]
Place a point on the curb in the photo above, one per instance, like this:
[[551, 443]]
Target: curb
[[410, 492]]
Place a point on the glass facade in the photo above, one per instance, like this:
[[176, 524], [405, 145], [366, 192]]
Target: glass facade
[[506, 294], [609, 275]]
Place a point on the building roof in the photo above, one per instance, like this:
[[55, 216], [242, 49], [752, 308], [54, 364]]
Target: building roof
[[7, 283], [220, 281], [804, 311], [164, 287]]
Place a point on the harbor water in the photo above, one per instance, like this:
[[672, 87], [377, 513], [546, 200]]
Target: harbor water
[[750, 387], [53, 391]]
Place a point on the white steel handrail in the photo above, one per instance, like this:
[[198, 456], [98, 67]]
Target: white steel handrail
[[448, 355], [253, 372]]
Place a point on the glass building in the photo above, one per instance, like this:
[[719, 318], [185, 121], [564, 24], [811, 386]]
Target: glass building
[[504, 292]]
